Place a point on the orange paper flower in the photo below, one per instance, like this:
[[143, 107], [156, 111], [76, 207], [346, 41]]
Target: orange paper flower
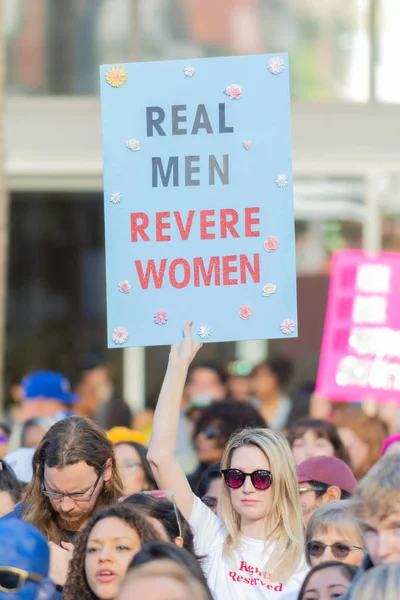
[[116, 76]]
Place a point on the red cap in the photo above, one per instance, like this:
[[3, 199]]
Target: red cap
[[327, 470]]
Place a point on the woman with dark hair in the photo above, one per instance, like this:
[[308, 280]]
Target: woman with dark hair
[[315, 437], [134, 467], [10, 489], [327, 581], [157, 550], [269, 381], [165, 518], [104, 551]]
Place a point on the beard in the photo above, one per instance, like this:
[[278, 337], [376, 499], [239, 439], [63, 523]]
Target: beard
[[77, 519]]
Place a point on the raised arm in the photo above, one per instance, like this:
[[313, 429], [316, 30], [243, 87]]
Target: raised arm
[[162, 449]]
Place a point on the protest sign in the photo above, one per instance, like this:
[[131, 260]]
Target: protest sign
[[198, 200], [360, 355]]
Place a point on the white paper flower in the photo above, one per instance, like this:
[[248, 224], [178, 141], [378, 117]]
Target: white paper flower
[[276, 65], [204, 332], [288, 326], [281, 180], [189, 71], [133, 144], [115, 197], [268, 290], [120, 336]]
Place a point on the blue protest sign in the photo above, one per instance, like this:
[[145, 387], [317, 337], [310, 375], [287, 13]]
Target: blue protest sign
[[198, 200]]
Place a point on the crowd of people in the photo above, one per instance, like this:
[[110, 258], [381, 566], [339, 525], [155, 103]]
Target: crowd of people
[[228, 489]]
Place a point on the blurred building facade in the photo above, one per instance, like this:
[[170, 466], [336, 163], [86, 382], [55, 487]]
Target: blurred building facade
[[345, 114]]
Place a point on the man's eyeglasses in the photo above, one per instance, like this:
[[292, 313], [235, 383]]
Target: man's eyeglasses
[[165, 494], [85, 497], [340, 550], [303, 490], [12, 579]]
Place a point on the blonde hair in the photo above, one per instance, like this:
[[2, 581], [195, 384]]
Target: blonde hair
[[285, 513], [336, 514], [379, 583], [167, 568], [378, 494]]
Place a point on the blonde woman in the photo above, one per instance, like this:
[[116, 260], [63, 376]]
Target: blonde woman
[[254, 547], [333, 534], [380, 583]]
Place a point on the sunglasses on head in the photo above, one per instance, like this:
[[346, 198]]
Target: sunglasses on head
[[159, 494], [340, 550], [235, 478], [12, 579]]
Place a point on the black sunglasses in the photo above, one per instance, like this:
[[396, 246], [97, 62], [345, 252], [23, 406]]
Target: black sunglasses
[[340, 550], [235, 478]]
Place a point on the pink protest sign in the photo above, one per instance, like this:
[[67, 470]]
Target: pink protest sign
[[360, 354]]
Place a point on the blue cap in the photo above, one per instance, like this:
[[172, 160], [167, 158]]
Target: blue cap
[[48, 384], [24, 547]]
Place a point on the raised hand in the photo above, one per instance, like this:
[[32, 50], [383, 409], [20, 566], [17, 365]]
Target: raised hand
[[185, 352]]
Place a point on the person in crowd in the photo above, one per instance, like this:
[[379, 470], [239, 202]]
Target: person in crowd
[[10, 489], [104, 551], [162, 580], [134, 468], [381, 583], [5, 432], [333, 534], [327, 581], [213, 429], [269, 381], [238, 382], [362, 436], [24, 563], [21, 463], [257, 544], [34, 430], [391, 445], [46, 394], [74, 474], [205, 381], [160, 508], [209, 487], [314, 437], [376, 506], [321, 480], [152, 551]]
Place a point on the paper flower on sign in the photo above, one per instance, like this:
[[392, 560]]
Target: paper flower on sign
[[276, 65], [245, 312], [189, 71], [116, 76], [124, 287], [115, 198], [271, 244], [281, 180], [288, 326], [133, 144], [120, 336], [268, 290], [204, 332], [247, 144], [233, 91], [161, 317]]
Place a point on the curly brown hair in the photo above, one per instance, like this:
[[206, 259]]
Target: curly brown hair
[[77, 585], [68, 442]]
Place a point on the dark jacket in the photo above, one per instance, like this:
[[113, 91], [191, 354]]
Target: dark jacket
[[364, 567]]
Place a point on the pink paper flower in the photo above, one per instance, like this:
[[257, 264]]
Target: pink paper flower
[[247, 144], [234, 91], [133, 144], [288, 326], [161, 317], [120, 336], [124, 286], [271, 244], [245, 312]]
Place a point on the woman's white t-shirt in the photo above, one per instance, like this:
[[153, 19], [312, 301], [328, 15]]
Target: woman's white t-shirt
[[241, 575]]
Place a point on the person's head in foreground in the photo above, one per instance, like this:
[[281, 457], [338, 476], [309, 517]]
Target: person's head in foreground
[[104, 551], [315, 437], [376, 505], [321, 480], [162, 580], [333, 534], [74, 474], [152, 551], [10, 489], [327, 581], [24, 562], [134, 468], [391, 445], [381, 583], [260, 486], [160, 509]]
